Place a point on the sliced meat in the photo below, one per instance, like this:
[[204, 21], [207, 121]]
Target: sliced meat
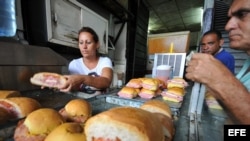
[[22, 133], [69, 118]]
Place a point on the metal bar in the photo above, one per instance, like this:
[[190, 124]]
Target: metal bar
[[192, 128], [194, 98], [201, 100]]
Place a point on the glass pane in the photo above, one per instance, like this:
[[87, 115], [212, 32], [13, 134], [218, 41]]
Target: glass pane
[[7, 18]]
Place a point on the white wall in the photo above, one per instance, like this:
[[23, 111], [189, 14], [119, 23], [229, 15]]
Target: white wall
[[118, 54]]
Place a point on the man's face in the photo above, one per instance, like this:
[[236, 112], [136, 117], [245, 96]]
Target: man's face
[[239, 25], [210, 44]]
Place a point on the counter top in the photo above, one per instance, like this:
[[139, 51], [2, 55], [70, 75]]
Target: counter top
[[210, 125]]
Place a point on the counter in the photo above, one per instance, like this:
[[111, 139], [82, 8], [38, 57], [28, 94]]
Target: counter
[[209, 127]]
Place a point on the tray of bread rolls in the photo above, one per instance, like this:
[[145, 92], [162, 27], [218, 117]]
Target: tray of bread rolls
[[48, 115], [213, 106], [140, 90]]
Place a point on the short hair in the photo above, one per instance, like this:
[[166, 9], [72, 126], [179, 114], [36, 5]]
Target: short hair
[[91, 31], [218, 33]]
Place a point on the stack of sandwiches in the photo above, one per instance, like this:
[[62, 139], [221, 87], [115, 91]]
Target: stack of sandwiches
[[162, 110], [212, 102], [149, 88], [146, 88], [131, 89], [175, 90], [128, 92]]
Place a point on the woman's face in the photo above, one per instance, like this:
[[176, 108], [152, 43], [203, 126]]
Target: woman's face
[[87, 44]]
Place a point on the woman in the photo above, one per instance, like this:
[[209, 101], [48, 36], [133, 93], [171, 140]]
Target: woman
[[91, 73]]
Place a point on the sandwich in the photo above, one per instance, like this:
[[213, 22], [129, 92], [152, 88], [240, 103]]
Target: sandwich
[[162, 110], [162, 84], [48, 79], [177, 82], [37, 125], [128, 92], [150, 84], [147, 94], [157, 106], [167, 126], [124, 124], [67, 132], [158, 91], [212, 102], [19, 107], [76, 110], [174, 94], [9, 93], [4, 115], [134, 83]]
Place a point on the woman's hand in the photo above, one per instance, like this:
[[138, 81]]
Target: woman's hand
[[73, 83]]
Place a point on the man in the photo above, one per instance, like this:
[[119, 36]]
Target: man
[[204, 68], [211, 43]]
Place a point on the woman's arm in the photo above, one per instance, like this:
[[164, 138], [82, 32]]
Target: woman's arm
[[74, 81], [101, 82]]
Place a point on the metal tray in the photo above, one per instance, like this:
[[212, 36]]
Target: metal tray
[[56, 100]]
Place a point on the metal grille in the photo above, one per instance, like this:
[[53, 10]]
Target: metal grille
[[175, 60]]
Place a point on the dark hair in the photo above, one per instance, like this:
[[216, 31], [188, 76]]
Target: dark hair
[[218, 33], [91, 31]]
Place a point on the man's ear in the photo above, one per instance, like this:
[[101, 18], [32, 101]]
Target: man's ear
[[221, 42]]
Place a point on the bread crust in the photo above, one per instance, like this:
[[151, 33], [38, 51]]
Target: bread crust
[[48, 79], [176, 91], [78, 107], [128, 92], [76, 110], [150, 84], [9, 93], [168, 126], [43, 121], [20, 106], [4, 115], [135, 123], [67, 132], [157, 106], [37, 125], [177, 82], [134, 83]]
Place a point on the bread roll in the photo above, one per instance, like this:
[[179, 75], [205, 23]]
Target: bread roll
[[134, 83], [76, 110], [48, 79], [124, 124], [67, 132], [177, 82], [19, 107], [162, 84], [4, 115], [150, 84], [212, 102], [147, 94], [37, 125], [174, 94], [164, 113], [167, 125], [9, 93], [128, 92], [157, 106]]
